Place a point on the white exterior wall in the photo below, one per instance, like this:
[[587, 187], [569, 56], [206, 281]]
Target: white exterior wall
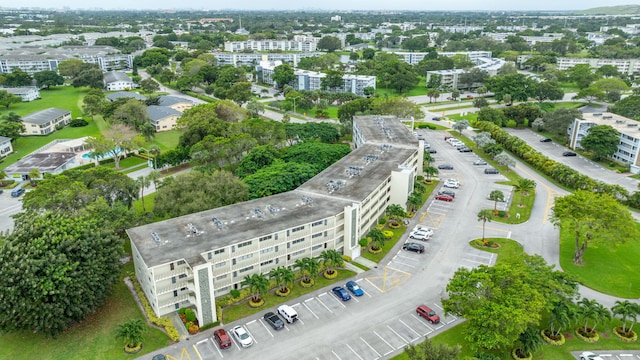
[[120, 85], [5, 148]]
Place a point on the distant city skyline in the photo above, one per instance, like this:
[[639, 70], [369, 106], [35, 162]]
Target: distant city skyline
[[327, 5]]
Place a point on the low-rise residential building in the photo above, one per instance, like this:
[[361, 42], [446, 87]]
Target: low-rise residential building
[[5, 146], [126, 94], [163, 118], [176, 103], [629, 146], [46, 163], [118, 81], [26, 93], [270, 45], [191, 260], [624, 66], [45, 121], [253, 59]]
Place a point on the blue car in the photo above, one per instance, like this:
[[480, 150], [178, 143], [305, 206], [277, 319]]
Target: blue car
[[341, 293], [354, 288]]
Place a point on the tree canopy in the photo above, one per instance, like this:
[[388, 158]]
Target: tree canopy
[[602, 141]]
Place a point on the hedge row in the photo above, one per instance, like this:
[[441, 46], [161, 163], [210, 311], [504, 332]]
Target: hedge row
[[151, 315], [561, 173]]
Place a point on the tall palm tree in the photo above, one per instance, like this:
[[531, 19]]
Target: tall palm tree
[[154, 176], [530, 341], [496, 195], [331, 259], [308, 267], [626, 309], [524, 187], [141, 183], [283, 276], [258, 285], [131, 332], [430, 171], [591, 310], [484, 216], [377, 238], [396, 212], [155, 151], [3, 175], [414, 201], [562, 314]]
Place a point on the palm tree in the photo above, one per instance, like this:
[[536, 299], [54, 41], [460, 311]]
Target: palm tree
[[33, 175], [154, 176], [414, 201], [377, 239], [496, 195], [484, 216], [592, 310], [331, 259], [427, 158], [3, 175], [155, 151], [626, 309], [309, 268], [141, 183], [430, 171], [524, 187], [395, 212], [131, 333], [562, 314], [530, 341], [283, 276], [258, 285]]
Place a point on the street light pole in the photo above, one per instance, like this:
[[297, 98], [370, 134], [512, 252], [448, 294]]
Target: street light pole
[[294, 102]]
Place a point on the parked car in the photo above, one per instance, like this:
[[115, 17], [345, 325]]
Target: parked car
[[479, 162], [491, 171], [448, 137], [566, 153], [17, 192], [417, 235], [222, 339], [465, 149], [1, 191], [242, 335], [415, 247], [354, 288], [423, 229], [444, 197], [447, 192], [426, 312], [436, 118], [432, 151], [420, 137], [445, 167], [272, 319], [452, 183], [469, 96], [588, 355], [545, 140], [288, 313], [159, 357], [427, 145], [341, 293]]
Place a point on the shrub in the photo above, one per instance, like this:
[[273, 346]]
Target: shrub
[[78, 122], [190, 315], [85, 166], [172, 332], [382, 221], [363, 242], [209, 325], [388, 234], [511, 123], [346, 258], [234, 293]]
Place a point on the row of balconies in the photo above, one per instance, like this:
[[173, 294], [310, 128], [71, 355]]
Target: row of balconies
[[177, 286], [176, 272], [174, 300]]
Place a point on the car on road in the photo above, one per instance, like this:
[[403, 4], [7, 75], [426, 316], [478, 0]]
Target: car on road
[[479, 162], [1, 191], [588, 355], [491, 171], [436, 118], [159, 357], [566, 153], [19, 191], [465, 149], [469, 96], [452, 183], [272, 319], [432, 151], [354, 288], [444, 197], [448, 137], [423, 229], [445, 167], [545, 140], [341, 293], [426, 312], [222, 339], [242, 335], [447, 192], [418, 235], [415, 247], [427, 145], [420, 137]]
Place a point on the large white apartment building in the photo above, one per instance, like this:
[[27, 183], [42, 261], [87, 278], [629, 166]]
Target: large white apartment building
[[629, 146], [451, 78], [270, 45], [413, 58], [238, 59], [624, 66], [190, 260]]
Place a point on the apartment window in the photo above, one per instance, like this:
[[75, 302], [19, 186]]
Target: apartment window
[[299, 252], [175, 293], [173, 279], [219, 251], [222, 277], [209, 255], [266, 262], [246, 243], [297, 241], [317, 223], [220, 264], [182, 276], [265, 238], [171, 266], [181, 262], [267, 250], [297, 229], [316, 247], [245, 269], [316, 235], [245, 257]]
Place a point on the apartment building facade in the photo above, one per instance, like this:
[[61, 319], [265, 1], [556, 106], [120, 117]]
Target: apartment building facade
[[239, 59], [36, 59], [271, 45], [45, 121], [628, 151], [190, 260], [624, 66], [26, 93]]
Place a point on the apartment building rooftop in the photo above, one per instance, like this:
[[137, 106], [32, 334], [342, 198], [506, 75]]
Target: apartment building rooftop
[[622, 124], [44, 116]]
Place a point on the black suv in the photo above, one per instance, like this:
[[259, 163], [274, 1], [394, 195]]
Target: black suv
[[447, 192], [415, 247], [491, 171], [274, 320]]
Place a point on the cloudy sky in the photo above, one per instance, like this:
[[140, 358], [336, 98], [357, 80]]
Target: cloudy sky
[[319, 5]]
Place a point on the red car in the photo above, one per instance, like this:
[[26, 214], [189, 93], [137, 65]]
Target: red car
[[221, 337], [428, 314], [444, 197]]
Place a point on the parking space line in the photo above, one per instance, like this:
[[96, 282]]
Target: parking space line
[[265, 327], [424, 323], [370, 347], [216, 347], [353, 351], [475, 261], [482, 256], [234, 341], [196, 350], [405, 341], [321, 303], [336, 355], [312, 313], [251, 322], [338, 301], [385, 341], [410, 328], [374, 285], [253, 337], [355, 298], [407, 257], [365, 292]]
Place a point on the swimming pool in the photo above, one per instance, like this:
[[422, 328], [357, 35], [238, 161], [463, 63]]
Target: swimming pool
[[89, 155]]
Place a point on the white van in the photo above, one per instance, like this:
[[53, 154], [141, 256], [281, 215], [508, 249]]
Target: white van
[[288, 313]]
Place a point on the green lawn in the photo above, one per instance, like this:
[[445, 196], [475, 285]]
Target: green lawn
[[419, 89], [611, 271], [242, 309], [93, 338], [388, 244], [62, 97]]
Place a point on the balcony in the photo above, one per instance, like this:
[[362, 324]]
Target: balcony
[[176, 286], [176, 273]]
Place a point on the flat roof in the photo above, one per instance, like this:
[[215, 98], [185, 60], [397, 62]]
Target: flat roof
[[239, 222], [116, 76], [44, 162], [387, 130], [623, 124], [44, 116]]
